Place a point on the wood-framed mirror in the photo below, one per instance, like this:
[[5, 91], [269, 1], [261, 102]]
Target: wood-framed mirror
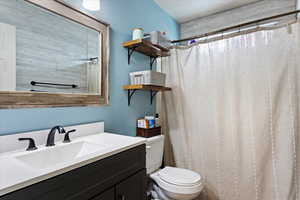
[[51, 55]]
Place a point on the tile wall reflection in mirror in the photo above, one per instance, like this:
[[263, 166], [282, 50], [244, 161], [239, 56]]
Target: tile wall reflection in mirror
[[44, 52]]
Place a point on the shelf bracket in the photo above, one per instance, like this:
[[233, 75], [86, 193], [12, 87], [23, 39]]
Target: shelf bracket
[[152, 95], [130, 94], [152, 61], [130, 52]]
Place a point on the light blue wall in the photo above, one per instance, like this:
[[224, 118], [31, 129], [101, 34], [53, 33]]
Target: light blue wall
[[123, 15]]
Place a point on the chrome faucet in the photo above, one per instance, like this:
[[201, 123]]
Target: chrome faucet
[[51, 136]]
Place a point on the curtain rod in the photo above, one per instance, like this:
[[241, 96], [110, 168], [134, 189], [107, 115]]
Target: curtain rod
[[236, 26]]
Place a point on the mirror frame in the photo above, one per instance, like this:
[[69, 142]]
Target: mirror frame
[[20, 99]]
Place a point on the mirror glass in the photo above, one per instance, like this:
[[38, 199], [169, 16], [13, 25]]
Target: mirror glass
[[41, 51]]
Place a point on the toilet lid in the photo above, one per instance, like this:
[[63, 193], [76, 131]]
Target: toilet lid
[[180, 177]]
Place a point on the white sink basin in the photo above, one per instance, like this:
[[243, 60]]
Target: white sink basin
[[49, 157]]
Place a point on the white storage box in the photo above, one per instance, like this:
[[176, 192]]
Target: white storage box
[[160, 39], [147, 78]]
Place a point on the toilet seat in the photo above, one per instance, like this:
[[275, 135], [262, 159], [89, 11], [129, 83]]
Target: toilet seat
[[180, 177], [179, 181]]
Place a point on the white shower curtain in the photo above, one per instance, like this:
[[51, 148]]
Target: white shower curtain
[[233, 114]]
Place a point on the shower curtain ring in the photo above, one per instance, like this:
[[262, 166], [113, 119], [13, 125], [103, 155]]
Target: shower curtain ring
[[206, 38], [257, 25]]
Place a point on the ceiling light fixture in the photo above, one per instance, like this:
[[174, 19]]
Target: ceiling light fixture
[[92, 5]]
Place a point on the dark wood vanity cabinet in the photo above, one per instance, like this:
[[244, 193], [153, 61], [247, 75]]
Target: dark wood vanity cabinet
[[107, 195], [119, 177], [132, 188]]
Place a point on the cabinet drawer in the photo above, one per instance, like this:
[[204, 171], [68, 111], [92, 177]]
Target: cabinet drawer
[[86, 182]]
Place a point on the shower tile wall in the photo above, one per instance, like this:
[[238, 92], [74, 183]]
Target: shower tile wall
[[50, 48], [260, 9]]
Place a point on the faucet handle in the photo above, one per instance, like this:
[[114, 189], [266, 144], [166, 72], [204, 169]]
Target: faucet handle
[[31, 146], [67, 136]]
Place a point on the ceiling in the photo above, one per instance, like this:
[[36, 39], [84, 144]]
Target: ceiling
[[185, 10]]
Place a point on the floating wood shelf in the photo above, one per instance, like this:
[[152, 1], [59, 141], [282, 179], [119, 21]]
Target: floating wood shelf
[[146, 87], [147, 48], [152, 88]]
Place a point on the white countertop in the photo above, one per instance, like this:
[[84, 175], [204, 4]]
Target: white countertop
[[15, 174]]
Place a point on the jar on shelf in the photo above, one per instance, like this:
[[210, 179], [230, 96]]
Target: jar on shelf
[[137, 33]]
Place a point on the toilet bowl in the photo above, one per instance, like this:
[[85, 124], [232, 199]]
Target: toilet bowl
[[171, 183], [177, 184]]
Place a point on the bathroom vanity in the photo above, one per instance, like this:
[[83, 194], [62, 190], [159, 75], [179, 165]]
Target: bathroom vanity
[[121, 176], [100, 166]]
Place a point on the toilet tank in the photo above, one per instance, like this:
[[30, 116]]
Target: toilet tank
[[154, 153]]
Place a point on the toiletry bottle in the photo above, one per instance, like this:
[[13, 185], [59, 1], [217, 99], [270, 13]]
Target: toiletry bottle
[[151, 121], [157, 122], [141, 123]]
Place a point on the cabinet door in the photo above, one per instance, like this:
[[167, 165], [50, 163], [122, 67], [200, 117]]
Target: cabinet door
[[108, 195], [133, 188]]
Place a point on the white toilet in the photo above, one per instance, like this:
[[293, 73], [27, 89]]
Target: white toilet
[[171, 183]]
